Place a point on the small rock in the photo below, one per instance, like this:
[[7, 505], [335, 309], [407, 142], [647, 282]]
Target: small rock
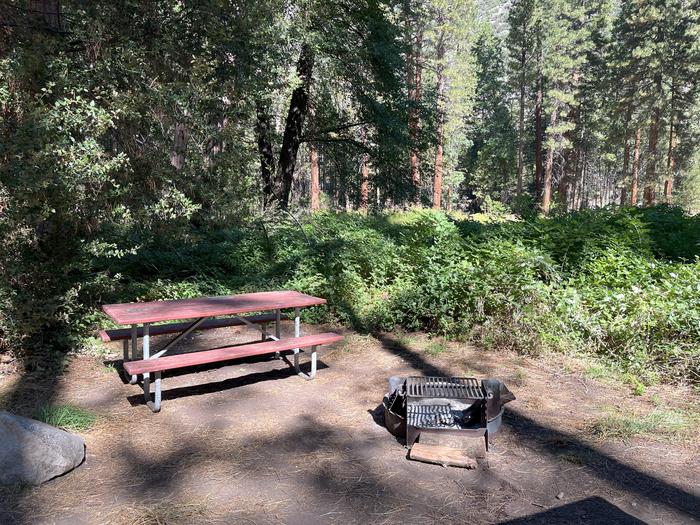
[[33, 452], [560, 495]]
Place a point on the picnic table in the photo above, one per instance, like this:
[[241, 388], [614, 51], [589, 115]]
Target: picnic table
[[206, 313]]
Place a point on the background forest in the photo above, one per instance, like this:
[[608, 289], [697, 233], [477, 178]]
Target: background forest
[[171, 149]]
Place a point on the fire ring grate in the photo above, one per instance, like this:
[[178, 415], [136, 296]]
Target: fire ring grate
[[445, 387]]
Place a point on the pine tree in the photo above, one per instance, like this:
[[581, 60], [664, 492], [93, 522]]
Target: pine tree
[[522, 52], [562, 61], [491, 160]]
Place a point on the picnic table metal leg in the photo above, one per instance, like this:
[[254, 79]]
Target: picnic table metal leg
[[297, 333], [311, 374], [278, 328], [263, 329], [134, 347], [146, 355], [155, 404]]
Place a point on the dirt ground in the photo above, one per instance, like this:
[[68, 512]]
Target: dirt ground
[[251, 442]]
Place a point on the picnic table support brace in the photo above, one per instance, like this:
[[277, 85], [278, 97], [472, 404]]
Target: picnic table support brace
[[155, 404], [262, 328], [297, 333], [312, 373], [182, 334], [146, 355], [278, 328], [134, 347]]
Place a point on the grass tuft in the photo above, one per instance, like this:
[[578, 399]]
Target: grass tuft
[[435, 348], [663, 423], [169, 513], [66, 417]]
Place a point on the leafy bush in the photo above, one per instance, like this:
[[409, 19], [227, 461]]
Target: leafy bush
[[620, 283]]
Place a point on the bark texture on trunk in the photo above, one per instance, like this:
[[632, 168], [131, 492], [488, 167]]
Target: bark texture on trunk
[[625, 169], [670, 163], [437, 176], [315, 189], [521, 126], [549, 166], [263, 132], [626, 157], [364, 172], [298, 108], [215, 145], [634, 190], [538, 137], [649, 196], [364, 182], [415, 79], [652, 152], [315, 179], [652, 147], [177, 155], [564, 189]]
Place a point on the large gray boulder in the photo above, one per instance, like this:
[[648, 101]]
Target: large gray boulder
[[32, 452]]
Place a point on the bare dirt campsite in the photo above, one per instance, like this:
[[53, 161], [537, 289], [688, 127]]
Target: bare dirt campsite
[[349, 262], [251, 442]]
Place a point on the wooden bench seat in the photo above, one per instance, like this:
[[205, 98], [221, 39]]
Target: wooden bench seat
[[225, 354], [157, 365], [122, 334]]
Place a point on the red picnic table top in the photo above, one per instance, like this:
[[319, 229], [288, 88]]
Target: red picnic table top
[[155, 311]]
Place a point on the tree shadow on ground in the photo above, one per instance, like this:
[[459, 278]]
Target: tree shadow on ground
[[589, 510], [539, 437], [226, 384], [316, 472]]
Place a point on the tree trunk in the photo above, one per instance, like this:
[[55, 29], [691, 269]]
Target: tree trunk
[[635, 168], [625, 169], [364, 172], [437, 178], [263, 132], [313, 161], [298, 108], [414, 95], [547, 183], [177, 155], [315, 183], [567, 177], [652, 148], [364, 182], [521, 126], [670, 161], [538, 137], [215, 144], [649, 195], [575, 184]]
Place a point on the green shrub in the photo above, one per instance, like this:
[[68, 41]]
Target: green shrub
[[623, 284]]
